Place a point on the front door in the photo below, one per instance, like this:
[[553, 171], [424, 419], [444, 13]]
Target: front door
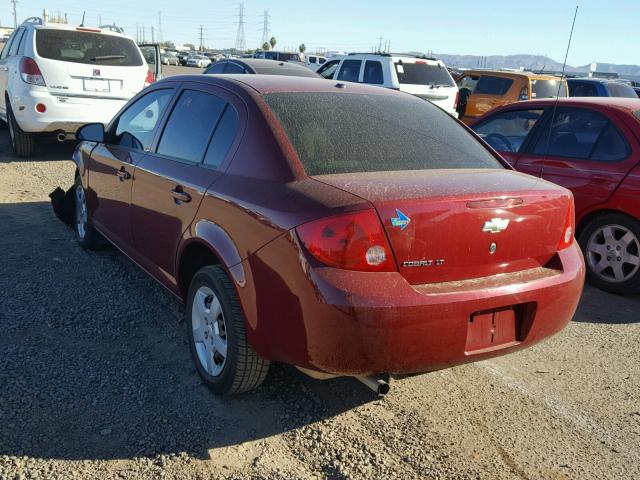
[[585, 151], [112, 165], [170, 183]]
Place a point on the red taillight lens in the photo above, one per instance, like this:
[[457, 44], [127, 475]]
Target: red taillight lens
[[150, 78], [569, 229], [524, 94], [30, 72], [355, 241]]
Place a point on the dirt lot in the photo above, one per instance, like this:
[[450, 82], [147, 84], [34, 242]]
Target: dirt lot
[[96, 382]]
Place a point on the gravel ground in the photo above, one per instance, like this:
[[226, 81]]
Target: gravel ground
[[96, 382]]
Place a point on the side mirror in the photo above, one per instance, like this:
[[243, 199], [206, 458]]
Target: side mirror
[[91, 132]]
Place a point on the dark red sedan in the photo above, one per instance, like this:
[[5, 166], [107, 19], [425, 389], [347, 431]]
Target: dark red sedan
[[342, 228], [592, 147]]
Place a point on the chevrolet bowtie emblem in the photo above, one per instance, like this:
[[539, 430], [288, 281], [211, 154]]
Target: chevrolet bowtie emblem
[[495, 225]]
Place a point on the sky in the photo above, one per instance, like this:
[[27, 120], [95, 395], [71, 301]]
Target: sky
[[606, 32]]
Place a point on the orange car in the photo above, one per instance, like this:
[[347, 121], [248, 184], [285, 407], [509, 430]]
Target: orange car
[[488, 89]]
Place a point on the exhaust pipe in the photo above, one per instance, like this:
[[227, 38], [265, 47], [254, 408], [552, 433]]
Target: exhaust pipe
[[61, 136], [376, 384]]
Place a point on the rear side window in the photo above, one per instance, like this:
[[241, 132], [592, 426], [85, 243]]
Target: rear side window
[[16, 42], [312, 59], [420, 73], [582, 89], [373, 72], [328, 69], [217, 68], [87, 47], [350, 70], [581, 134], [188, 130], [369, 133], [468, 82], [621, 90], [222, 138], [233, 68], [490, 85], [548, 88]]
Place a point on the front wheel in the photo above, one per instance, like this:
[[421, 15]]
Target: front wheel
[[215, 327], [87, 236], [611, 246]]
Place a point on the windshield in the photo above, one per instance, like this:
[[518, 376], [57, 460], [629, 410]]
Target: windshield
[[369, 133], [423, 74], [548, 88], [87, 47]]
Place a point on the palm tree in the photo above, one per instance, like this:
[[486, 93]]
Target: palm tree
[[273, 42], [266, 46], [302, 48]]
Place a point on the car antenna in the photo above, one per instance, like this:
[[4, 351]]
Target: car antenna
[[562, 78], [82, 23]]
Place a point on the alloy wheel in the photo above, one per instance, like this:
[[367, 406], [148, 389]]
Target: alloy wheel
[[613, 253], [209, 331], [81, 212]]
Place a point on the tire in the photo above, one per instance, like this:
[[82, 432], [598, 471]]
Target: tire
[[215, 330], [611, 246], [86, 236], [23, 143]]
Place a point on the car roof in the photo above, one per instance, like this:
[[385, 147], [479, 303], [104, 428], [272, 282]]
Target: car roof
[[618, 103], [264, 84], [509, 73], [274, 67], [76, 28]]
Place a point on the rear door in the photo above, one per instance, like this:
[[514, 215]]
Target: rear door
[[90, 63], [169, 184], [9, 64], [151, 54], [583, 150], [112, 163]]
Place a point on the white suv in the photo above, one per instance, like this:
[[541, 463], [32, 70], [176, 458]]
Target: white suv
[[424, 77], [56, 78]]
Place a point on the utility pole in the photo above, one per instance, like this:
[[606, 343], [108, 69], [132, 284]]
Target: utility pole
[[15, 13], [240, 41], [99, 19], [201, 35], [153, 40], [265, 28], [159, 27], [144, 34]]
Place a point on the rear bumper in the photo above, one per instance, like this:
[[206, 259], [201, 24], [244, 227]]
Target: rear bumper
[[66, 113], [355, 323]]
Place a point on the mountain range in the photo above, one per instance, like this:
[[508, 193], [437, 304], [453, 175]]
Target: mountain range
[[534, 62]]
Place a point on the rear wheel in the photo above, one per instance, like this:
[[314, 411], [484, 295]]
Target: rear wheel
[[215, 327], [611, 245], [23, 143]]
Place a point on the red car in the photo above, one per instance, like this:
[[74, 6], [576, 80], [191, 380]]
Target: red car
[[592, 147], [342, 228]]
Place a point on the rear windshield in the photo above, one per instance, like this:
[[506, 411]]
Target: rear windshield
[[621, 90], [347, 133], [87, 47], [423, 74], [490, 85], [548, 88]]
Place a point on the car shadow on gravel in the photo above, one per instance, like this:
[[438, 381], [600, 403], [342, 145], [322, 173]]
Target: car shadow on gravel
[[48, 149], [94, 363], [595, 307]]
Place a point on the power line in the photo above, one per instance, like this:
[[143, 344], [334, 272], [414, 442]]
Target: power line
[[265, 28], [240, 40]]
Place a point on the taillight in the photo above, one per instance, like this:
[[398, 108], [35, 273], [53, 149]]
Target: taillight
[[455, 103], [354, 241], [30, 72], [569, 229], [150, 78], [524, 94]]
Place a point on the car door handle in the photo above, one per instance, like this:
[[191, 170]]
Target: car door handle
[[180, 196], [122, 174]]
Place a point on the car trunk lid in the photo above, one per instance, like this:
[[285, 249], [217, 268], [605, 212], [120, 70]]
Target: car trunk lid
[[452, 225]]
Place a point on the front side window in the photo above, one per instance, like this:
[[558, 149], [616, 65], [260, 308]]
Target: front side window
[[506, 132], [136, 127], [312, 59], [328, 69], [373, 72], [373, 133], [581, 134], [190, 125], [490, 85], [87, 47], [350, 70]]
